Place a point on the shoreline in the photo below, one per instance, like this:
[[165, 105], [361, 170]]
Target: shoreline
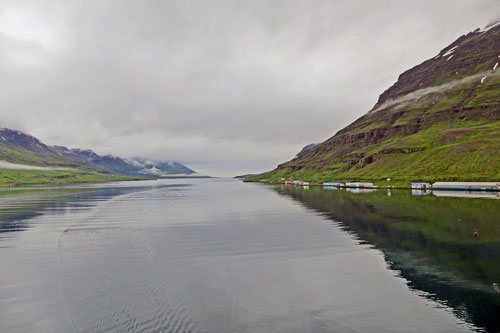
[[117, 178], [383, 187]]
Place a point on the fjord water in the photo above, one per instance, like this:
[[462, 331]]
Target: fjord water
[[218, 255]]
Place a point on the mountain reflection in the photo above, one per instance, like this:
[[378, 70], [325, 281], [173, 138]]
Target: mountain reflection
[[428, 240], [18, 206]]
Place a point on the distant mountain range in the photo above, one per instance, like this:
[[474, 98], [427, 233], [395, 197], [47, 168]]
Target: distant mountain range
[[130, 167], [20, 148], [249, 175], [439, 121], [306, 148]]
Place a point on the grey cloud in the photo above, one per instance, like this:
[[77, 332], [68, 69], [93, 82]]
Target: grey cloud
[[224, 86]]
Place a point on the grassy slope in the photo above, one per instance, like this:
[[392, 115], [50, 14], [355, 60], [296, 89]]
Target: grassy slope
[[74, 172], [55, 177], [470, 154], [19, 156]]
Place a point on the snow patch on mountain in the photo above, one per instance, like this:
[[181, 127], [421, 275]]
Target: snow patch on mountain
[[450, 51], [489, 27]]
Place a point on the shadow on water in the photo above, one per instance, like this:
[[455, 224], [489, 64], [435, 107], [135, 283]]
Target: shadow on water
[[428, 240]]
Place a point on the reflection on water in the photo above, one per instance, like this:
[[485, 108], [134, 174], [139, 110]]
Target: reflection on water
[[19, 205], [458, 194], [334, 188], [360, 190], [467, 194], [420, 192], [429, 240], [212, 255]]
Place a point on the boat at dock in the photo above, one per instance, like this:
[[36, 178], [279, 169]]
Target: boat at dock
[[359, 185]]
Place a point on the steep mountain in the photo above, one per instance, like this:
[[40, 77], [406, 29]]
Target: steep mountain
[[117, 165], [439, 121]]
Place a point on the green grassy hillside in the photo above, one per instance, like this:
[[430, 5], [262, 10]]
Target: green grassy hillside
[[54, 177], [59, 170], [439, 121], [21, 156]]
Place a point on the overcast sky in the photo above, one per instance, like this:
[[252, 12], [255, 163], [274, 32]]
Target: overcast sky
[[226, 87]]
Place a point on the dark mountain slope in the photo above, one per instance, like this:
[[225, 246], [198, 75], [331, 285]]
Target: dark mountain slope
[[439, 121]]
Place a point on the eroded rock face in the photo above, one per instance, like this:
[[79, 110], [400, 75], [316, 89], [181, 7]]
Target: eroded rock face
[[421, 113]]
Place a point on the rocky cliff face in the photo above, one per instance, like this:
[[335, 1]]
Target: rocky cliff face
[[440, 120]]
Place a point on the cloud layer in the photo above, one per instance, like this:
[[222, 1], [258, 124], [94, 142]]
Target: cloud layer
[[226, 87]]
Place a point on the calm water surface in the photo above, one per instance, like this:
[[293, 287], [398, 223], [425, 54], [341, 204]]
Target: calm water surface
[[216, 255]]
